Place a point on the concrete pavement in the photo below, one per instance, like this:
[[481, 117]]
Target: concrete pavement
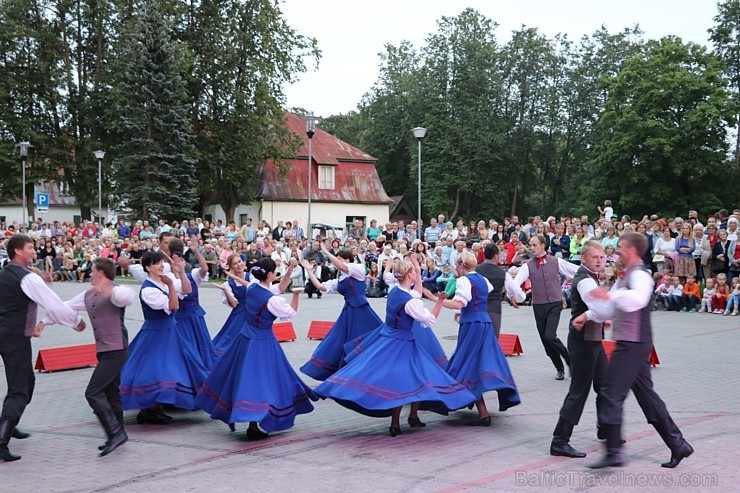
[[334, 449]]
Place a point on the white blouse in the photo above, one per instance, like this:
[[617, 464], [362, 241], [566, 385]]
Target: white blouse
[[356, 271]]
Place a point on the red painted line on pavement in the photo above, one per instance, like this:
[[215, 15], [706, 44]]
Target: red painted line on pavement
[[713, 332], [555, 460], [272, 443]]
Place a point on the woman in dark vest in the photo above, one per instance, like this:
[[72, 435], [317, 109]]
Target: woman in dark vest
[[235, 295], [161, 368], [356, 319], [395, 370], [478, 362], [253, 380]]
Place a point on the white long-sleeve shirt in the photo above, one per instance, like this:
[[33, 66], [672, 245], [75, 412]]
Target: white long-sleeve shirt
[[277, 305], [599, 310], [56, 311], [120, 297], [565, 268], [415, 308], [629, 300], [463, 292], [227, 289], [355, 271], [138, 272], [156, 299]]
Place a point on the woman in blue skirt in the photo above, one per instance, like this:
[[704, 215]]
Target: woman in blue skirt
[[253, 381], [395, 370], [356, 318], [478, 362], [161, 368], [190, 316], [424, 335], [235, 295]]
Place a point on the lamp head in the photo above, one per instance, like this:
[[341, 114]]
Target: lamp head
[[419, 133], [99, 155], [311, 121], [24, 147]]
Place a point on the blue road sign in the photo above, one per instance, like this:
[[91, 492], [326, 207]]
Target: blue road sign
[[42, 202]]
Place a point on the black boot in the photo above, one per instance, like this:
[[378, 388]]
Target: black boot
[[673, 438], [560, 441], [613, 457], [20, 435], [113, 429], [601, 434], [7, 425]]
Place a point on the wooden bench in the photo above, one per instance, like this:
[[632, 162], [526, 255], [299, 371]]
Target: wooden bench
[[510, 344], [319, 329], [284, 331], [67, 358]]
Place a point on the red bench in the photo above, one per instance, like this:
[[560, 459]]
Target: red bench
[[67, 358], [319, 329], [510, 344], [609, 349], [284, 331]]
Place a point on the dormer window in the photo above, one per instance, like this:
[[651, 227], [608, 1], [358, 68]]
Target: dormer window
[[326, 177]]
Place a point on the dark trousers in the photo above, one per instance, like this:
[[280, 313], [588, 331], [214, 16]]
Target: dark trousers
[[547, 317], [629, 369], [689, 301], [496, 321], [16, 354], [103, 392], [587, 367]]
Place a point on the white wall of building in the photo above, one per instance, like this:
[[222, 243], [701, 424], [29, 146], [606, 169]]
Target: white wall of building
[[56, 213], [321, 212]]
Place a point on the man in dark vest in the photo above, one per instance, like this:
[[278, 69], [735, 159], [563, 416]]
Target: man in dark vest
[[22, 291], [106, 304], [543, 271], [631, 300], [500, 280], [587, 357]]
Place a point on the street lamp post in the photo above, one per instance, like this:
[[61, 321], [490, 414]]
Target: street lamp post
[[23, 147], [310, 130], [419, 133], [99, 155]]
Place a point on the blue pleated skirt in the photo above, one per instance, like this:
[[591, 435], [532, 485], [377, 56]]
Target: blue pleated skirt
[[329, 355], [161, 368], [193, 329], [424, 336], [253, 381], [230, 330]]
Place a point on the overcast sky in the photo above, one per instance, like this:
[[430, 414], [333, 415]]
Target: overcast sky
[[351, 33]]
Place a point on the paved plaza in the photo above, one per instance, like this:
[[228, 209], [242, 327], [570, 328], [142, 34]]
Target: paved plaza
[[336, 450]]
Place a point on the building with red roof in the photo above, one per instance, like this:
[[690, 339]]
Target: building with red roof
[[345, 185]]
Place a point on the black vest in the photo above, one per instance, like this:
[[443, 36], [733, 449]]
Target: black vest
[[591, 331], [17, 311], [497, 277]]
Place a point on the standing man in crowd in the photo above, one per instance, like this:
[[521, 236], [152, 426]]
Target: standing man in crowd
[[432, 233], [500, 280], [587, 356], [629, 367], [22, 292], [543, 271]]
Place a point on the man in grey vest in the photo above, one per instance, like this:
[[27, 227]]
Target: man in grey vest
[[587, 357], [543, 271], [22, 291], [500, 280], [631, 299], [106, 304]]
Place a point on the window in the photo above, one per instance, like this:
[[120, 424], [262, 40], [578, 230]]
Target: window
[[326, 177]]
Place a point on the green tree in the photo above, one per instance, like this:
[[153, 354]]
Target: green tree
[[726, 38], [663, 133], [153, 166]]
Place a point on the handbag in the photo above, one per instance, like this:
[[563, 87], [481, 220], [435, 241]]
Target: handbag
[[657, 258]]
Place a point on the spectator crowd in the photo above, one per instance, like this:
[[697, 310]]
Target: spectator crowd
[[695, 262]]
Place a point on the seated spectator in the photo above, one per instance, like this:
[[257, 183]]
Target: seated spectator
[[566, 287], [706, 300], [83, 270], [722, 293], [690, 295], [374, 282], [661, 295], [674, 292], [733, 302], [429, 276]]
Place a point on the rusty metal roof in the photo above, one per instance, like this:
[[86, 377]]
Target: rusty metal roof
[[355, 177], [326, 149]]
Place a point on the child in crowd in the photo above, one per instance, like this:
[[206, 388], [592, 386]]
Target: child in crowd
[[706, 301], [610, 258], [690, 295], [444, 278], [607, 211], [719, 300], [566, 287], [674, 292], [661, 291], [733, 303]]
